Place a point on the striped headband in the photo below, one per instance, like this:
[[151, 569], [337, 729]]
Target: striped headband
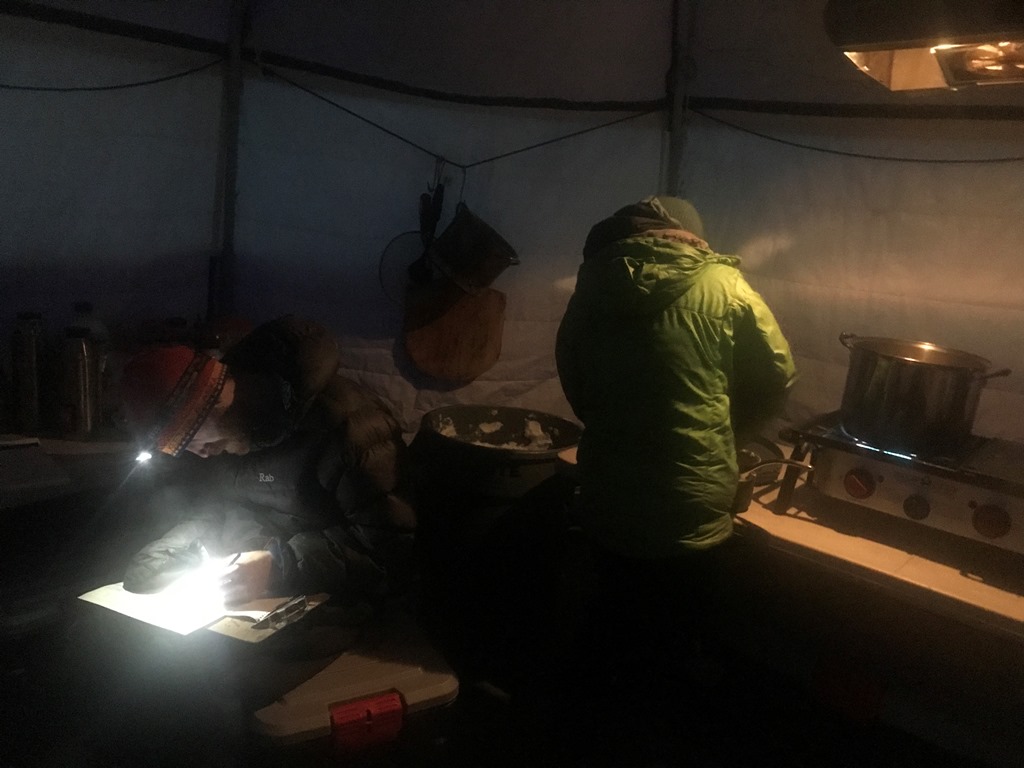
[[188, 405]]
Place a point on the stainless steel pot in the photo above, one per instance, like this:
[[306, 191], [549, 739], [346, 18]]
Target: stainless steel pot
[[911, 396]]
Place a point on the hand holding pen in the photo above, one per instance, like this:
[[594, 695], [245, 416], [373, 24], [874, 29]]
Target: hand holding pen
[[246, 576]]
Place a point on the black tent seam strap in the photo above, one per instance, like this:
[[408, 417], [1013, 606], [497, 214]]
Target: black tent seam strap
[[49, 14], [145, 33], [114, 87], [109, 26], [395, 86], [844, 110], [859, 155]]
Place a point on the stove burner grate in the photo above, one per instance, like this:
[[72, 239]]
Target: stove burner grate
[[828, 431], [984, 462]]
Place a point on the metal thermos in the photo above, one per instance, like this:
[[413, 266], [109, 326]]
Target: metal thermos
[[80, 391], [27, 357], [106, 405]]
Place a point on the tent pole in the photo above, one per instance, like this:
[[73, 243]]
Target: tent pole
[[684, 22], [220, 296]]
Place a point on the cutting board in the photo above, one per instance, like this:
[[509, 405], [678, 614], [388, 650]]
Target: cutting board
[[450, 334]]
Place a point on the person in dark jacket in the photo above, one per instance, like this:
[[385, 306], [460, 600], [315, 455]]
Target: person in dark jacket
[[302, 473]]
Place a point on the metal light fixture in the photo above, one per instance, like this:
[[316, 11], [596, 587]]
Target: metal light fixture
[[921, 44], [982, 64]]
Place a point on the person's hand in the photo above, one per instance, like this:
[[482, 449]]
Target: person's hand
[[248, 577]]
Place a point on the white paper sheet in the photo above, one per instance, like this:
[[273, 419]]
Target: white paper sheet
[[168, 609]]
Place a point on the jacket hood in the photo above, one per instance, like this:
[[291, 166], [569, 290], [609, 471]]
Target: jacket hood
[[652, 214], [299, 355], [645, 273]]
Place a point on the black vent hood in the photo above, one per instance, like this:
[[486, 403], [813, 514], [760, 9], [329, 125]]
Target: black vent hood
[[915, 44]]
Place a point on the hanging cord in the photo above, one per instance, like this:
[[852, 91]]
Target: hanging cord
[[430, 204], [439, 164], [461, 166], [347, 111], [572, 135], [120, 86], [863, 156], [380, 264]]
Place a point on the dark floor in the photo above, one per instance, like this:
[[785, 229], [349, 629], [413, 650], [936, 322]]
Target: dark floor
[[747, 716], [80, 686]]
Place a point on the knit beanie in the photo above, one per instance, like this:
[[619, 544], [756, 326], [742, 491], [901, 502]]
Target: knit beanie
[[649, 215], [168, 392], [682, 211]]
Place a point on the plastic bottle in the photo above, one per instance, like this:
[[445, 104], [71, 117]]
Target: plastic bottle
[[80, 385], [27, 357], [85, 317], [6, 401]]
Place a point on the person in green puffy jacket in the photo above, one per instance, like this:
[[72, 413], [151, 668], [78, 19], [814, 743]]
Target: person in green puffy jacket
[[670, 360]]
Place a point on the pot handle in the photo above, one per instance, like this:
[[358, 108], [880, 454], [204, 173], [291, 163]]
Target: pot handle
[[751, 470], [846, 339], [994, 374]]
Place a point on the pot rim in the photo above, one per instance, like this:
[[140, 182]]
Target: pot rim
[[899, 349], [567, 433]]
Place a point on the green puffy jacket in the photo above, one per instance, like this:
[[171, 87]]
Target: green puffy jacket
[[668, 357]]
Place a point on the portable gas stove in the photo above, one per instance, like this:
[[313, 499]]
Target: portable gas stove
[[977, 493]]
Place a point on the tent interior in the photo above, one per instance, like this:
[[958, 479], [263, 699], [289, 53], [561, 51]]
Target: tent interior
[[134, 184], [183, 163]]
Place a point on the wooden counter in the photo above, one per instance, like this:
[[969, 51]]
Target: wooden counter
[[893, 619], [39, 469], [963, 579], [970, 581], [879, 617]]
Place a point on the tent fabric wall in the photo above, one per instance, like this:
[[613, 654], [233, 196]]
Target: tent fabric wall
[[576, 50], [836, 242], [927, 250], [115, 190], [109, 195], [323, 194]]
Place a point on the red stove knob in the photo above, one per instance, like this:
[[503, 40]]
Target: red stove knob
[[991, 521], [859, 483], [916, 507]]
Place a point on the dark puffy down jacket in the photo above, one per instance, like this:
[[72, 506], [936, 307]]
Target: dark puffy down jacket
[[330, 500]]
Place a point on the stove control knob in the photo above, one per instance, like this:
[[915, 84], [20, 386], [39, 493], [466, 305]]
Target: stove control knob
[[991, 521], [916, 507], [859, 483]]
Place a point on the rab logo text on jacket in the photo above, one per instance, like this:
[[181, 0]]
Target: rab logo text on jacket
[[266, 477]]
